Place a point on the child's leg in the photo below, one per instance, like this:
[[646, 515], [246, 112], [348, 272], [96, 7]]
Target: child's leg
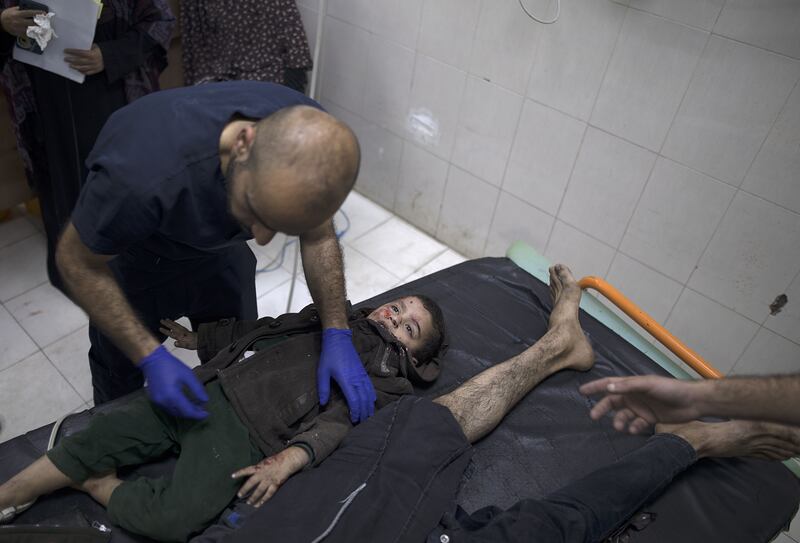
[[201, 486], [128, 435], [41, 477]]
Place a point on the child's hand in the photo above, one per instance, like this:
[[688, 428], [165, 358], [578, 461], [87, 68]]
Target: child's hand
[[183, 337], [267, 476]]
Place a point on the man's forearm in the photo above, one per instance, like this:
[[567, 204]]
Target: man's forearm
[[93, 286], [324, 270], [772, 398]]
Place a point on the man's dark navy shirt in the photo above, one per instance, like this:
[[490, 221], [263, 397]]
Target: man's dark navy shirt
[[155, 183]]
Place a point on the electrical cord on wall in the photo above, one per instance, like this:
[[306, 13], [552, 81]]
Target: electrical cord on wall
[[532, 16]]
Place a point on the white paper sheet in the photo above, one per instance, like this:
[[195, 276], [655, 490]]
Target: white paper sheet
[[74, 22]]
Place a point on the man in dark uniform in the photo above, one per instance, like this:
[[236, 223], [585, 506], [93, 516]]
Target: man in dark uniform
[[178, 181]]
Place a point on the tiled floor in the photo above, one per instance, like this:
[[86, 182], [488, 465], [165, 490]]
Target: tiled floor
[[44, 372]]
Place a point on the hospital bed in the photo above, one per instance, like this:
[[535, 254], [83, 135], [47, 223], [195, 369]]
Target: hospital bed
[[494, 308]]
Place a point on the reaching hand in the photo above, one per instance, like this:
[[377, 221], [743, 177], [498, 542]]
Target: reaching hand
[[341, 361], [166, 379], [266, 477], [87, 62], [642, 401], [184, 338], [16, 21]]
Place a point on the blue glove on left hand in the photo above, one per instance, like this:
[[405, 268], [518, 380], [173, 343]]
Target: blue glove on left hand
[[166, 378], [340, 360]]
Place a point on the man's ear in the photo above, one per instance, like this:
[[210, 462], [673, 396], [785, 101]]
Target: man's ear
[[414, 360], [244, 142]]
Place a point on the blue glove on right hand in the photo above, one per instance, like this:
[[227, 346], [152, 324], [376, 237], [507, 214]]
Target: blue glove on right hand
[[340, 360], [166, 378]]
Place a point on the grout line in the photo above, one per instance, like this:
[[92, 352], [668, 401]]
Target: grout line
[[677, 22], [514, 137], [635, 206], [373, 227], [83, 400], [683, 96], [719, 14], [766, 136], [36, 232], [712, 32], [739, 358], [426, 263], [586, 130], [4, 302], [373, 262], [23, 359]]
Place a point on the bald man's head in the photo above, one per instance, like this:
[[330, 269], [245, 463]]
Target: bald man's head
[[303, 163]]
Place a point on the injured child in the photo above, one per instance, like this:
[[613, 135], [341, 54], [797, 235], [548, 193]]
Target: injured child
[[395, 476], [262, 403]]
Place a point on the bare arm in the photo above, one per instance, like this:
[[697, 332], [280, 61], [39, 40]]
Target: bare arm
[[644, 400], [769, 398], [94, 287], [322, 260], [324, 270]]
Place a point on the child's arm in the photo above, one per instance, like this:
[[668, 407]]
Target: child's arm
[[266, 477]]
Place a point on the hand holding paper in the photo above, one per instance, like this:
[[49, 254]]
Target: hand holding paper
[[87, 62], [16, 21]]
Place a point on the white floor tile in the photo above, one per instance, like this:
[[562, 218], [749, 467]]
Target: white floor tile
[[794, 530], [273, 303], [46, 314], [15, 344], [398, 247], [269, 280], [15, 230], [445, 260], [363, 215], [70, 356], [187, 357], [36, 221], [365, 278], [32, 394], [22, 266], [269, 256]]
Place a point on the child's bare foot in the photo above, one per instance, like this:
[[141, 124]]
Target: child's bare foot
[[756, 439], [564, 327]]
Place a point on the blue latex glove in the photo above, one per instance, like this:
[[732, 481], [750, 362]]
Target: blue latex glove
[[340, 360], [166, 378]]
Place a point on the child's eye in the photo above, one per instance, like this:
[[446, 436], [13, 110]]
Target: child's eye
[[394, 308], [408, 328]]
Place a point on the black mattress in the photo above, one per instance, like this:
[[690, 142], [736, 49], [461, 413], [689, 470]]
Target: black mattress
[[494, 310]]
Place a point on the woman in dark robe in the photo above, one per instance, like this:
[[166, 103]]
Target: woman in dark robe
[[259, 40], [56, 120]]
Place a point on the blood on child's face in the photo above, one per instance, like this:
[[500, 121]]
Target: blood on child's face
[[406, 319]]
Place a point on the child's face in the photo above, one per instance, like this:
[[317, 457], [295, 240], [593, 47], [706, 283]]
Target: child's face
[[407, 320]]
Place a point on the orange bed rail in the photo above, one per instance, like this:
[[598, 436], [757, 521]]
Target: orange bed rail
[[647, 322]]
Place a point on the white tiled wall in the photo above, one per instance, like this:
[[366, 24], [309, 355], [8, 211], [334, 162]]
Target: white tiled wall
[[653, 142]]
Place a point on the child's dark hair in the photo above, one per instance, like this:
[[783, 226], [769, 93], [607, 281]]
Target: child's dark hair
[[434, 341]]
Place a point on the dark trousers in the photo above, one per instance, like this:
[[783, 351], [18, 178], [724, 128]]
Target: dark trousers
[[163, 508], [587, 510], [395, 478], [205, 290]]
